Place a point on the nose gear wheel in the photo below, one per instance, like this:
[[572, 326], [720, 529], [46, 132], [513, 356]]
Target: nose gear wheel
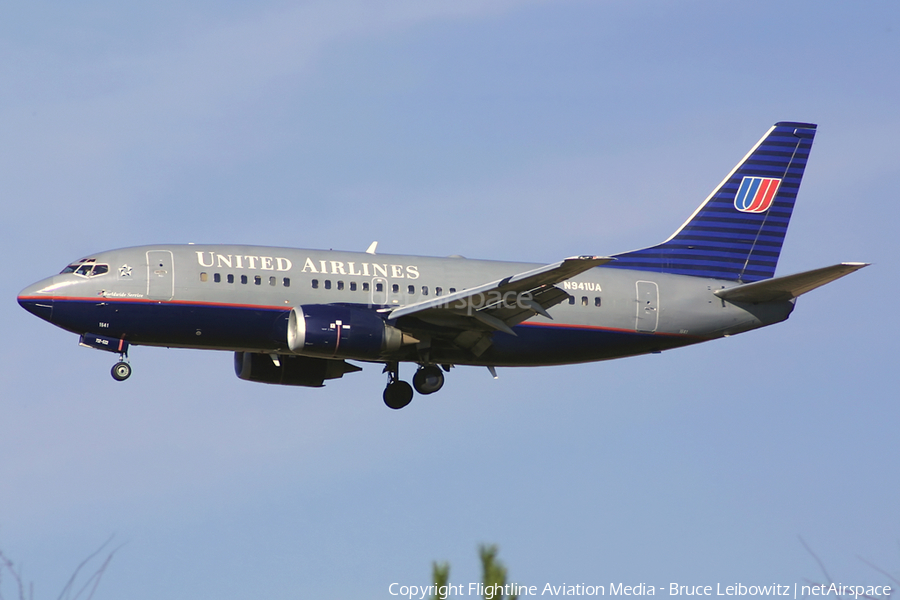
[[121, 371]]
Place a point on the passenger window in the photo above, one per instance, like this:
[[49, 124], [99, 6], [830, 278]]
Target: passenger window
[[244, 279], [257, 280], [411, 290], [424, 290], [327, 284], [352, 286], [452, 290], [230, 278], [217, 277], [204, 277], [572, 300], [379, 287], [438, 291], [365, 286], [395, 288], [287, 282], [597, 301], [340, 285], [273, 280], [315, 284], [584, 300]]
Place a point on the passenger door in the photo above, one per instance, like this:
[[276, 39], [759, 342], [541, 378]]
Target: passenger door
[[160, 275]]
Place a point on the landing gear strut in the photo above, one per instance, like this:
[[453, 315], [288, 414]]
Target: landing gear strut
[[428, 379], [398, 393], [121, 370]]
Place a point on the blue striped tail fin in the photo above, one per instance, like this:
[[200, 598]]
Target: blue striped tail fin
[[738, 231]]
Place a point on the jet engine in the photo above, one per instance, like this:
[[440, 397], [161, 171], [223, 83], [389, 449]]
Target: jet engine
[[335, 331], [289, 370]]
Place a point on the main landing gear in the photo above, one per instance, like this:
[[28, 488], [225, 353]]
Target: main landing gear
[[398, 393], [427, 380]]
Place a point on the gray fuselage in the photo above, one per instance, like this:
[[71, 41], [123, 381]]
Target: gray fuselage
[[238, 298]]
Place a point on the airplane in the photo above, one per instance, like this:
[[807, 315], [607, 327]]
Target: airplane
[[296, 317]]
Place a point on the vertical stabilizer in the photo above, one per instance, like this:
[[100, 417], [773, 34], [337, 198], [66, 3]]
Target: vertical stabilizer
[[738, 231]]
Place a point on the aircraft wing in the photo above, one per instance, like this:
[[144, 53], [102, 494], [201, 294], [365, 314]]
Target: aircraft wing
[[472, 315], [788, 287]]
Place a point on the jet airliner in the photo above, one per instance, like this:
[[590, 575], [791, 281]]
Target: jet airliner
[[296, 317]]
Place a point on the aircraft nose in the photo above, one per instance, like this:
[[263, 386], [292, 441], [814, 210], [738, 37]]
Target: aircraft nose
[[37, 300]]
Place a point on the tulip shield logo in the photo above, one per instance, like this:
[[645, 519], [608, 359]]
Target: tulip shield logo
[[755, 194]]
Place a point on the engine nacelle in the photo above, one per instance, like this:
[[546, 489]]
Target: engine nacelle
[[289, 370], [334, 331]]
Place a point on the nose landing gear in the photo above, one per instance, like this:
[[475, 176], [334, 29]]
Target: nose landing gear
[[121, 370]]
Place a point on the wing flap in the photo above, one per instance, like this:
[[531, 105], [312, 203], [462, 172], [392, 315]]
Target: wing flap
[[495, 296], [788, 287], [469, 318]]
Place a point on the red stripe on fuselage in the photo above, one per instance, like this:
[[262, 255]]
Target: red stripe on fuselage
[[150, 301]]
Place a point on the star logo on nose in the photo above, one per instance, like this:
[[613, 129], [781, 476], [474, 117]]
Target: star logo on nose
[[124, 272]]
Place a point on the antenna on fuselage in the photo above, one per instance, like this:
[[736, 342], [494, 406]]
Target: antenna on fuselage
[[371, 248]]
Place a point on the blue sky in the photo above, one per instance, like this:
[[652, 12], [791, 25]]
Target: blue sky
[[520, 130]]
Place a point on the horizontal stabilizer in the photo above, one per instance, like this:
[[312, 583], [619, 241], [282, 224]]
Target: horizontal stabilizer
[[788, 287]]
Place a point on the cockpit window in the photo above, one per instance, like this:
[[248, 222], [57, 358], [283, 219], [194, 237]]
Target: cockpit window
[[86, 269]]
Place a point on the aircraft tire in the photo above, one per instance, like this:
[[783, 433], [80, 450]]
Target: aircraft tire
[[428, 380], [121, 371], [398, 394]]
